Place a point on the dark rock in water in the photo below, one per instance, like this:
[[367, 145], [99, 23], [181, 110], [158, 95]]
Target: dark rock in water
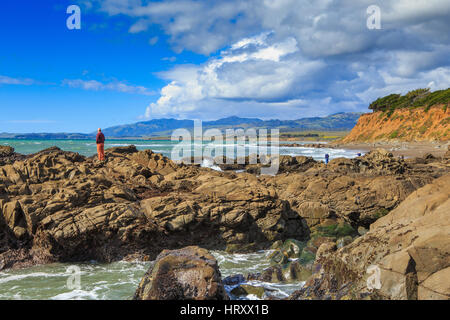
[[289, 272], [247, 289], [233, 280], [190, 273], [298, 271], [272, 274]]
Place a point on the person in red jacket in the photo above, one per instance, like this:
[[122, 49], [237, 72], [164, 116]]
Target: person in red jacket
[[100, 145]]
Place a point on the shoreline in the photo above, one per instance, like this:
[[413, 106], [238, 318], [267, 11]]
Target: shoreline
[[398, 149]]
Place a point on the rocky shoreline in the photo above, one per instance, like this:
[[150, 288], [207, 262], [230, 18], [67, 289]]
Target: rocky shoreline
[[59, 206]]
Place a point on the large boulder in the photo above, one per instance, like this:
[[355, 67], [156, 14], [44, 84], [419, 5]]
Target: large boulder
[[190, 273]]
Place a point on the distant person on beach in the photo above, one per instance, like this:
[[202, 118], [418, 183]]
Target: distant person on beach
[[359, 154], [100, 145], [327, 157]]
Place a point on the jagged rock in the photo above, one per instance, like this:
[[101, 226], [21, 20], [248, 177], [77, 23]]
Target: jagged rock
[[290, 271], [233, 280], [154, 161], [325, 249], [408, 251], [190, 273], [6, 151], [246, 289], [447, 154], [68, 207]]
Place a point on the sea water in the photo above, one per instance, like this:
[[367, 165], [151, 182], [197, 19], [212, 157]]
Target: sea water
[[119, 280], [165, 147]]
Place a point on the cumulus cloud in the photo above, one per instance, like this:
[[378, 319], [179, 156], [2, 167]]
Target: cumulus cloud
[[112, 86], [289, 57]]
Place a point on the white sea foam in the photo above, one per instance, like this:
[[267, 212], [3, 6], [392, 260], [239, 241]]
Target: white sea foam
[[209, 163]]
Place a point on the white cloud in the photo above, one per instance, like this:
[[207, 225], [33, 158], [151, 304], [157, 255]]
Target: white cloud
[[16, 81], [153, 40], [293, 56], [112, 86], [267, 73]]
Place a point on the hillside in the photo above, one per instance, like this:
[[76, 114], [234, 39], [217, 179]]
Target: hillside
[[338, 121], [47, 136], [416, 116]]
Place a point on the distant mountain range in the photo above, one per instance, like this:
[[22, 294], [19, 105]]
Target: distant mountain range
[[164, 127], [158, 127]]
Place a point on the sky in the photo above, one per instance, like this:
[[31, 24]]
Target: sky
[[136, 60]]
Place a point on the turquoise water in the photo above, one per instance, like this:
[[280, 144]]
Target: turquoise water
[[89, 148]]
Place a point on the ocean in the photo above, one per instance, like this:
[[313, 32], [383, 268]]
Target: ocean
[[119, 280], [89, 148]]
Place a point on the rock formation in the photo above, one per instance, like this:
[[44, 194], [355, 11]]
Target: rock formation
[[190, 273], [61, 206], [405, 255]]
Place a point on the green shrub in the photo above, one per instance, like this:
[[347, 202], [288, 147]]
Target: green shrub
[[413, 99], [394, 134], [381, 213], [336, 230]]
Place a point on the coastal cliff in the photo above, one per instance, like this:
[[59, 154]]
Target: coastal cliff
[[419, 124], [419, 115]]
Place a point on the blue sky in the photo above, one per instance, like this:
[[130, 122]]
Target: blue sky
[[134, 60]]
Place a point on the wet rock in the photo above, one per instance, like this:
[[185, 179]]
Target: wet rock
[[246, 289], [290, 271], [190, 273], [277, 244], [290, 249], [233, 280], [298, 271], [278, 257]]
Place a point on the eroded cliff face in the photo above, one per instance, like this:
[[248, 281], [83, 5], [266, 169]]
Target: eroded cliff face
[[406, 124]]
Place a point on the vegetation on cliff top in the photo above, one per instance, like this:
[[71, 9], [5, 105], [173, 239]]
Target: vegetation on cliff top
[[413, 99]]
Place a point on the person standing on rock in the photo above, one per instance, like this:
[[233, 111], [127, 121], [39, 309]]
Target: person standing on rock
[[100, 145], [327, 157]]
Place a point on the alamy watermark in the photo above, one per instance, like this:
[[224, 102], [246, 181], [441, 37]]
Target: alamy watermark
[[74, 279], [374, 279], [74, 20], [374, 19], [230, 146]]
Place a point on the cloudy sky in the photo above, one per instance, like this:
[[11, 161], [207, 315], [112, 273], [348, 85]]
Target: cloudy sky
[[134, 59]]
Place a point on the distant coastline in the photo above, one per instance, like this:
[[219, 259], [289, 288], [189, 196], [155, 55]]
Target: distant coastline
[[157, 128]]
